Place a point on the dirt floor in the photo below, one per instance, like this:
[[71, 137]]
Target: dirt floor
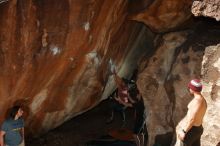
[[89, 127]]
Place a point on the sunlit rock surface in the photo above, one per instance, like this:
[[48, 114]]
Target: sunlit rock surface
[[207, 8], [211, 78], [54, 56]]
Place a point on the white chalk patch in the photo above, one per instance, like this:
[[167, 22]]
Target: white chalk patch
[[87, 26], [112, 65], [55, 50], [44, 38], [3, 1], [92, 55], [94, 58]]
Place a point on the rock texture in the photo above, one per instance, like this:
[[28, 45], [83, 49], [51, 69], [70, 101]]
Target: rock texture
[[54, 59], [207, 8], [163, 15], [211, 78], [151, 84], [54, 56], [163, 81]]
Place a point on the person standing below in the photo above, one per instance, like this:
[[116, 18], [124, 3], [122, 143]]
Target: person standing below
[[189, 129], [12, 129]]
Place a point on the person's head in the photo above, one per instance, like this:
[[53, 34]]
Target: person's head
[[125, 81], [16, 112], [195, 86]]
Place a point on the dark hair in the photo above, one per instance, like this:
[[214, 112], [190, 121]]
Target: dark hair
[[14, 111], [126, 81], [133, 92]]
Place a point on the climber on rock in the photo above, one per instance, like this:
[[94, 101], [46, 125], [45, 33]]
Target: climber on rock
[[189, 129], [120, 98], [138, 104]]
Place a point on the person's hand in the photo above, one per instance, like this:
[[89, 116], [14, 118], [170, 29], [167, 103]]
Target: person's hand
[[181, 135]]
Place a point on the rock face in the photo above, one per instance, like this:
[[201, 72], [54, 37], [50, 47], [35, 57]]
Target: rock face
[[163, 81], [211, 78], [54, 56], [152, 86], [207, 8], [163, 15]]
